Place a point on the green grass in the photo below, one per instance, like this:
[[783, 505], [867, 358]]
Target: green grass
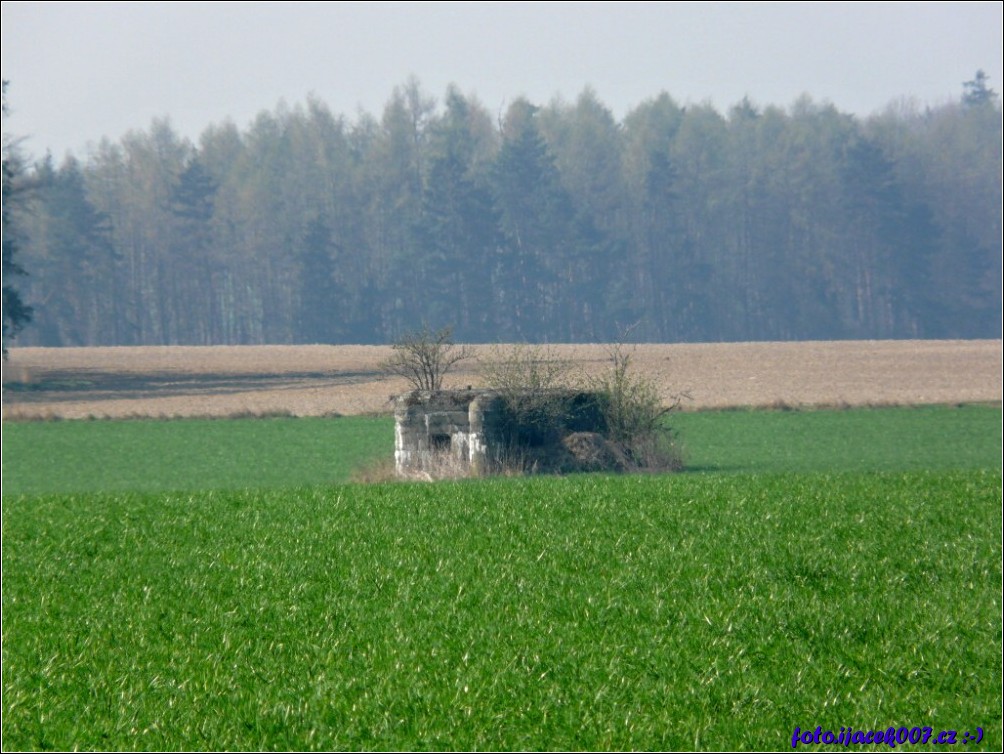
[[700, 611], [208, 585], [187, 454], [94, 456], [869, 439]]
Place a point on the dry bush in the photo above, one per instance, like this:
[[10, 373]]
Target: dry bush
[[517, 369], [655, 453], [511, 461], [635, 415], [374, 472], [441, 464]]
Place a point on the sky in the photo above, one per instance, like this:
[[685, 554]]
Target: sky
[[80, 71]]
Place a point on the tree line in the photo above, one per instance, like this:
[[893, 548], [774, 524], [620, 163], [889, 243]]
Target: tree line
[[538, 223]]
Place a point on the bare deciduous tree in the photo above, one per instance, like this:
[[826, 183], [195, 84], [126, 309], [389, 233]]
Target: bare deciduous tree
[[423, 357]]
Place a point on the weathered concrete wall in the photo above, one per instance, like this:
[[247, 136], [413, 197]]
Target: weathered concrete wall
[[429, 426], [474, 430], [487, 419]]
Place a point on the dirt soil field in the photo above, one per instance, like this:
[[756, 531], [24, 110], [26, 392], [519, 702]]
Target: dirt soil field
[[175, 381]]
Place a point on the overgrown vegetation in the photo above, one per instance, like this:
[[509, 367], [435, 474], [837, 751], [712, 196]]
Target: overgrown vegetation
[[534, 383], [526, 375], [636, 415], [622, 406]]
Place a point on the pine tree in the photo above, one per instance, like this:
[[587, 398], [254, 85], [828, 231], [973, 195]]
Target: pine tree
[[976, 93], [16, 313]]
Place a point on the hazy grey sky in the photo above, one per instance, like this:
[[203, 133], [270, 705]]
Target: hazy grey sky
[[83, 70]]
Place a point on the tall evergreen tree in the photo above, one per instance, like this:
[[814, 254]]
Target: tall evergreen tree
[[74, 261], [459, 232], [538, 222], [16, 313], [192, 205], [977, 93], [875, 216], [320, 317]]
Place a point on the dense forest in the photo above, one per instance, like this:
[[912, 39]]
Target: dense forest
[[536, 223]]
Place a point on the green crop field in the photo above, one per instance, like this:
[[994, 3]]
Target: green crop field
[[862, 439], [796, 577], [203, 454], [188, 454]]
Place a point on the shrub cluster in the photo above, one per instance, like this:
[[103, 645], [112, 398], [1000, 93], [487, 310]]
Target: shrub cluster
[[534, 382], [635, 415], [536, 385]]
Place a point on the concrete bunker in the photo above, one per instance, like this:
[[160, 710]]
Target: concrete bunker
[[480, 432]]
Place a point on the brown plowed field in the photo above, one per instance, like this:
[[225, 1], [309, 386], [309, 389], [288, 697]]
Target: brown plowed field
[[172, 381]]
